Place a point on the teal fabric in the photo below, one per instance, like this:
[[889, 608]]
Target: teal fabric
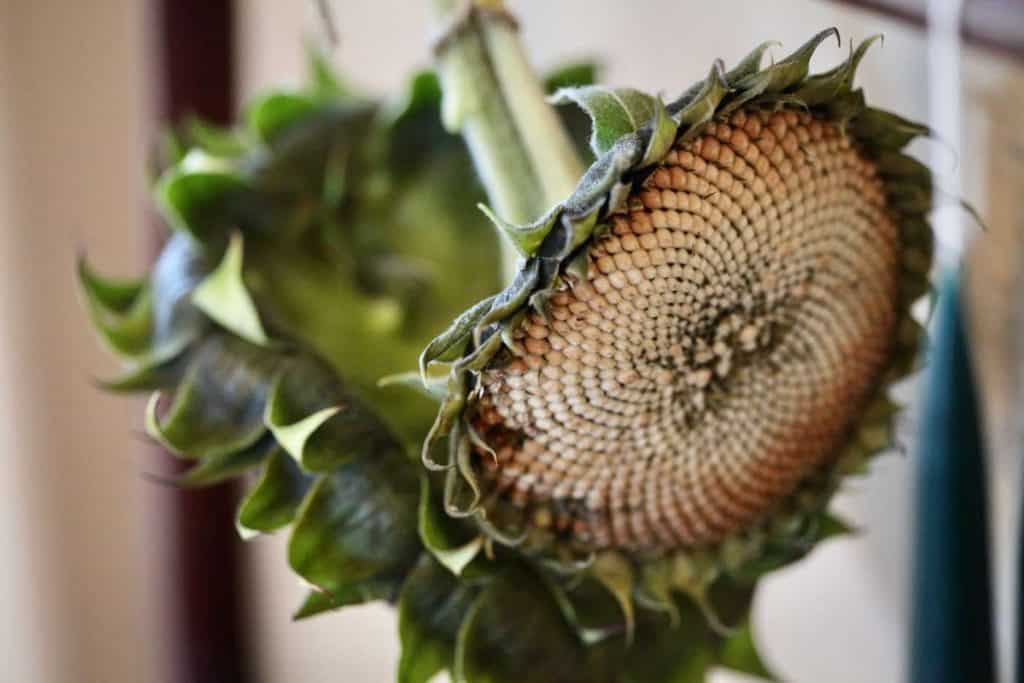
[[951, 639]]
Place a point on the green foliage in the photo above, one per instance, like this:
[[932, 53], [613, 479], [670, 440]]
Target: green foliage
[[321, 239], [431, 609], [274, 500], [452, 543], [357, 523]]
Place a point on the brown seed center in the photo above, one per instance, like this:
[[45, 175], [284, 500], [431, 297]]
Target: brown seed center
[[736, 316]]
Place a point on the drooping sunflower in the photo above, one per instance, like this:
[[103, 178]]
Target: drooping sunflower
[[694, 352], [699, 342]]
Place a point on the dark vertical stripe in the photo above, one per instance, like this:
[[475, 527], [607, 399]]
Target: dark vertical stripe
[[198, 561], [951, 639]]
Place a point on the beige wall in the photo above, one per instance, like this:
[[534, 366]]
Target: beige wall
[[73, 603], [70, 174]]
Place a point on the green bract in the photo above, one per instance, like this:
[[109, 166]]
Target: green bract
[[315, 241]]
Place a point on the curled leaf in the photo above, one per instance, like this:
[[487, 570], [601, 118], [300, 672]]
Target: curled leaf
[[781, 75], [194, 195], [223, 466], [267, 118], [121, 311], [315, 420], [615, 573], [355, 593], [739, 653], [272, 503], [614, 112], [218, 407], [450, 344], [357, 523], [525, 238], [432, 605], [222, 295], [452, 544], [514, 631]]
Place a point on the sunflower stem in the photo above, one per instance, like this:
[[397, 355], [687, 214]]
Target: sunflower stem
[[492, 96]]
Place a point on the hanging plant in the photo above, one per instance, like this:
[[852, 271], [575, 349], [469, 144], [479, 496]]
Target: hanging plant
[[599, 462]]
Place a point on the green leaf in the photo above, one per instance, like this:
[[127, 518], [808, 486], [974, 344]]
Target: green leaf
[[694, 113], [115, 295], [570, 76], [654, 590], [453, 544], [293, 436], [751, 64], [274, 500], [195, 194], [525, 238], [356, 593], [886, 131], [461, 486], [120, 310], [450, 344], [667, 654], [146, 376], [447, 416], [663, 135], [318, 423], [831, 525], [223, 466], [431, 607], [222, 296], [614, 112], [515, 632], [739, 653], [324, 82], [781, 75], [615, 573], [588, 607], [270, 116], [216, 141], [127, 334], [358, 523], [436, 388], [823, 88], [218, 408], [422, 94]]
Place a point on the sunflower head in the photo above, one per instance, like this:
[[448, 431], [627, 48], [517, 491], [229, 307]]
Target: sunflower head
[[699, 342]]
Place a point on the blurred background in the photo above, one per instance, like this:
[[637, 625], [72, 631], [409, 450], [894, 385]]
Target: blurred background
[[107, 575]]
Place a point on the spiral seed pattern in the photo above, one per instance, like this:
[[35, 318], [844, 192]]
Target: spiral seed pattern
[[736, 316]]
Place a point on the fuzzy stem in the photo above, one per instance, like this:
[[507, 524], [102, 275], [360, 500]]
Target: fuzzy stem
[[523, 154]]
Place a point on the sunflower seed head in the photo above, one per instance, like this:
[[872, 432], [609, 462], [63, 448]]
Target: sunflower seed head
[[734, 321]]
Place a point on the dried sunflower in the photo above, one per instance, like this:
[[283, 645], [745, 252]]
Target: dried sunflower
[[694, 351], [699, 341]]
